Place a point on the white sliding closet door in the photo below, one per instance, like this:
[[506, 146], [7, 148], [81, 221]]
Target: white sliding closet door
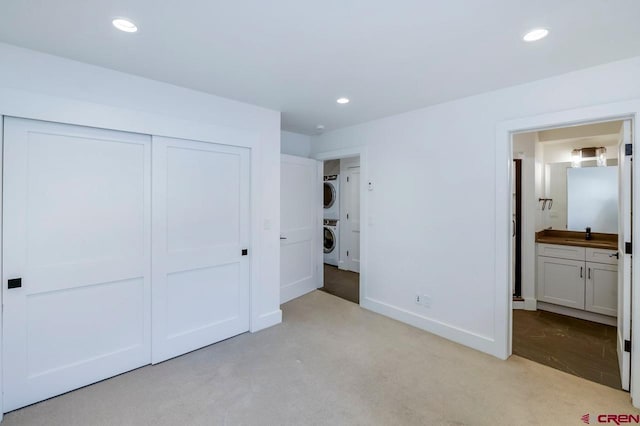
[[200, 228], [76, 257]]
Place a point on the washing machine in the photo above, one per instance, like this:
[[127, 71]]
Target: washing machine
[[331, 242], [331, 197]]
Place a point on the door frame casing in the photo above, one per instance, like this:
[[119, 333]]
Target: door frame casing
[[503, 212], [359, 151], [1, 265]]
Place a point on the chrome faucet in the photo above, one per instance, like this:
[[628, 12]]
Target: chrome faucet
[[587, 235]]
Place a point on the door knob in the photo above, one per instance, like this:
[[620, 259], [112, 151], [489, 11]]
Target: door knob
[[616, 255]]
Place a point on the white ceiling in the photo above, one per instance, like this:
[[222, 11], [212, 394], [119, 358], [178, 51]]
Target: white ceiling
[[298, 56]]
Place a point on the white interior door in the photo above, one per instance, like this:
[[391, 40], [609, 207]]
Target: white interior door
[[300, 196], [201, 217], [77, 233], [624, 262], [352, 223]]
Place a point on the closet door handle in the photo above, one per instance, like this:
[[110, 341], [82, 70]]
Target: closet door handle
[[589, 273], [581, 271]]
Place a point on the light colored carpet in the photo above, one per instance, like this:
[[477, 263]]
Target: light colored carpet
[[331, 362]]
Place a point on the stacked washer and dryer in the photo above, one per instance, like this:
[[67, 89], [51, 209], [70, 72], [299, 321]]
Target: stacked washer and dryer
[[331, 220]]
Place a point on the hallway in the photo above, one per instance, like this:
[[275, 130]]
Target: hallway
[[344, 284]]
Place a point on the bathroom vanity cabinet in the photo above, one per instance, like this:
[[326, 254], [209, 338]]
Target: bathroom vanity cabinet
[[578, 277]]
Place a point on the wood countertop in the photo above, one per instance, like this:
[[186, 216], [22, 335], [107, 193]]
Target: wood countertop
[[574, 238]]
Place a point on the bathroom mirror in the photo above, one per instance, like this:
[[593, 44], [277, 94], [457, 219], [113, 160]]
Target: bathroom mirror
[[583, 196]]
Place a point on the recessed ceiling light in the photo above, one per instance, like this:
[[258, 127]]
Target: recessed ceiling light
[[536, 34], [124, 25], [342, 100]]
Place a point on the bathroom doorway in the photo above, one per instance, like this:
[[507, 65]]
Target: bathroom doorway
[[573, 185], [341, 228]]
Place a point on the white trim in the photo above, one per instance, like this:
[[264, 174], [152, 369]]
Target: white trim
[[448, 331], [255, 226], [503, 153], [359, 151], [578, 313], [1, 263], [266, 320], [319, 216], [295, 290], [530, 304]]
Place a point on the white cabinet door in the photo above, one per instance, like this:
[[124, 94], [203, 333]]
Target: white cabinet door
[[300, 223], [200, 227], [601, 291], [561, 281], [77, 232]]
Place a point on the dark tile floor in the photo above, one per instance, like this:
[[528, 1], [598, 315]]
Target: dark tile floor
[[344, 284], [582, 348]]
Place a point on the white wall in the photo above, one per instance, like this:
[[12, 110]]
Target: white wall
[[295, 144], [431, 216], [40, 86]]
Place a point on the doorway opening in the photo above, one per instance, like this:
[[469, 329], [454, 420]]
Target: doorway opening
[[341, 228], [570, 267]]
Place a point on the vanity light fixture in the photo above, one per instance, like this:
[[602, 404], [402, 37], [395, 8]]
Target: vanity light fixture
[[598, 154], [535, 34], [601, 156], [576, 158], [125, 25]]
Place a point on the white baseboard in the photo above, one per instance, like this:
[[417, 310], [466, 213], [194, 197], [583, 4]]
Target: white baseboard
[[578, 313], [482, 343], [266, 321], [526, 304], [296, 290], [530, 304]]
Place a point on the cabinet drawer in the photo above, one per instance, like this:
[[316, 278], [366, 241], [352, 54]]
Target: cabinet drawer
[[562, 252], [601, 256]]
